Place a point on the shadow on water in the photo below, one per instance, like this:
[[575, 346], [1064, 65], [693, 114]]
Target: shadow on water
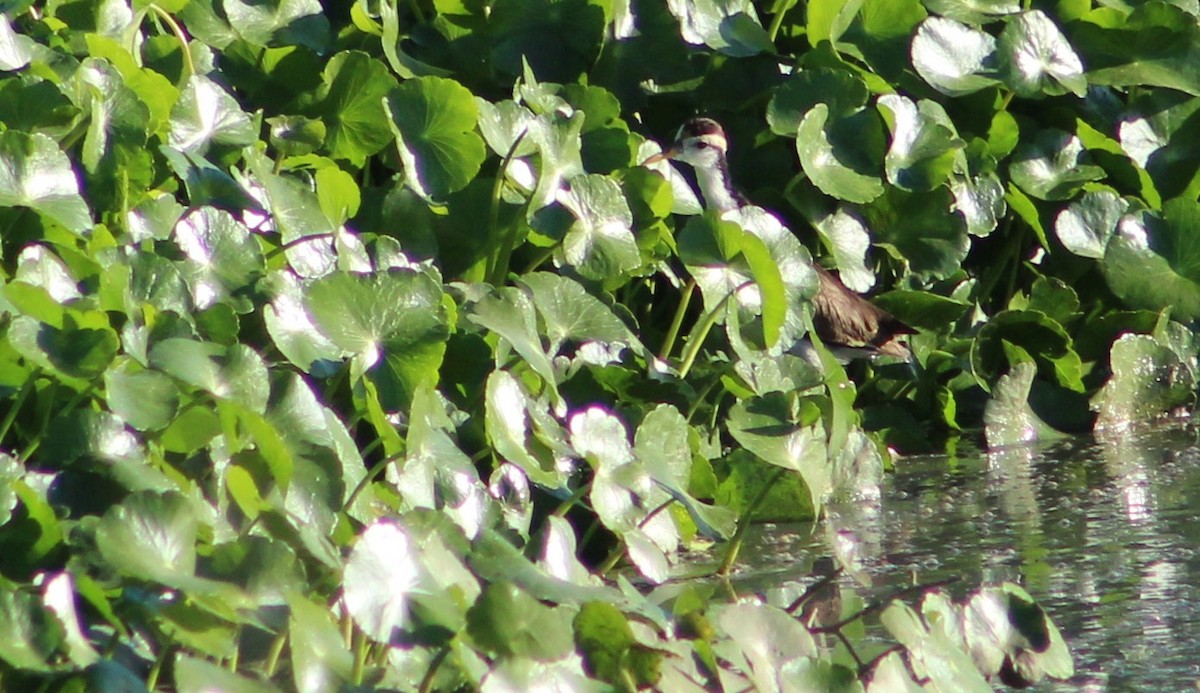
[[1104, 532]]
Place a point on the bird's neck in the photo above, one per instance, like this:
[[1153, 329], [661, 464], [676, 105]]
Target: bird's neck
[[717, 189]]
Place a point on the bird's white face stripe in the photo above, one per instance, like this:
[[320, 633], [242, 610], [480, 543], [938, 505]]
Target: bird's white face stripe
[[714, 140]]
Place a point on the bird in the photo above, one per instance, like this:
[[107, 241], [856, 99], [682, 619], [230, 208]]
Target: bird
[[845, 321]]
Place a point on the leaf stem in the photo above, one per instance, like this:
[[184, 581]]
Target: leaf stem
[[180, 36], [566, 505], [371, 475], [739, 536], [499, 263], [360, 657], [13, 410], [152, 677], [274, 653], [676, 322], [541, 257], [431, 672], [692, 350]]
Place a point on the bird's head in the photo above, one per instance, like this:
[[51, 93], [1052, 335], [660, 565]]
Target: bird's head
[[701, 142]]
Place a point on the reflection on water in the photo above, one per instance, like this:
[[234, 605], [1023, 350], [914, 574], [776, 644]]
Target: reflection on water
[[1102, 532]]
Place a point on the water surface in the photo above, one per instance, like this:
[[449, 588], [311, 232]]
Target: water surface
[[1104, 532]]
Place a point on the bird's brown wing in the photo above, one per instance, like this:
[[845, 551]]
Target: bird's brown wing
[[842, 317]]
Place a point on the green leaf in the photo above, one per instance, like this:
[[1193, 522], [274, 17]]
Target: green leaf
[[731, 28], [768, 637], [75, 351], [279, 22], [771, 429], [295, 135], [509, 622], [1155, 263], [198, 676], [919, 227], [207, 114], [434, 121], [338, 194], [379, 579], [509, 313], [146, 400], [954, 58], [570, 313], [925, 146], [321, 653], [1053, 166], [770, 285], [1156, 44], [841, 167], [1148, 380], [32, 634], [1038, 336], [1036, 59], [16, 50], [353, 86], [510, 423], [394, 324], [600, 244], [922, 309], [973, 11], [1087, 224], [848, 241], [980, 200], [1008, 418], [559, 39], [223, 259], [151, 536], [842, 92], [236, 373], [619, 483], [35, 173]]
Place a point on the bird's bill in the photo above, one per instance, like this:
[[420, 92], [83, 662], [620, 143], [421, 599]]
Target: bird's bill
[[664, 155]]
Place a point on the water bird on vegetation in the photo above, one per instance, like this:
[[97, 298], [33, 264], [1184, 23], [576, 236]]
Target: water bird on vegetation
[[850, 325]]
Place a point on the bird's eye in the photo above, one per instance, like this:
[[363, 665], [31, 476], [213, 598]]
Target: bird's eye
[[702, 145]]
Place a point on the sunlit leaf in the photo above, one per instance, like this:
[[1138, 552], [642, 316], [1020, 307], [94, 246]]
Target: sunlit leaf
[[511, 623], [32, 634], [768, 637], [954, 58], [924, 144], [1154, 263], [767, 427], [727, 26], [434, 120], [279, 22], [35, 173], [348, 102], [321, 660], [600, 243], [223, 258], [394, 323], [839, 168], [199, 676], [1053, 166], [237, 373], [379, 579], [207, 114], [1087, 224], [15, 49], [150, 536], [146, 400], [1036, 59], [1148, 380]]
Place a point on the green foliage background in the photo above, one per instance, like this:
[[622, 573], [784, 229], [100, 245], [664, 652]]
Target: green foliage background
[[335, 336]]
